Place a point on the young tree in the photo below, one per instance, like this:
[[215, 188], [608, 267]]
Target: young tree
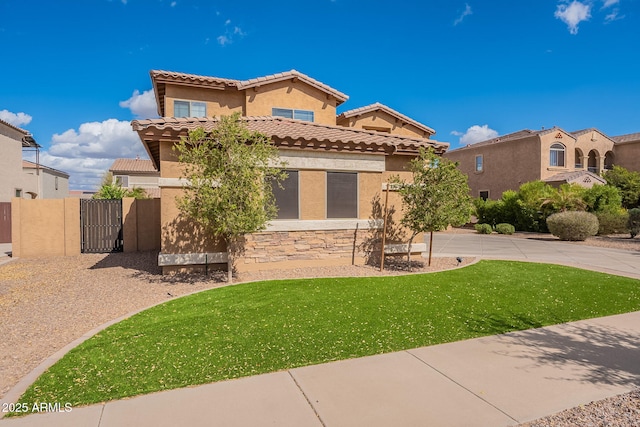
[[111, 189], [230, 171], [437, 197], [627, 182]]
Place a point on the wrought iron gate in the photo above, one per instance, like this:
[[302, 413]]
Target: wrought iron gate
[[101, 226]]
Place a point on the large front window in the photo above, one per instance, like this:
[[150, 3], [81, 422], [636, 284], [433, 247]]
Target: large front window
[[287, 197], [342, 195], [305, 115], [189, 109], [556, 155]]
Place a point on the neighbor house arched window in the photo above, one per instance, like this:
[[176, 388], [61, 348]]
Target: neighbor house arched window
[[556, 155]]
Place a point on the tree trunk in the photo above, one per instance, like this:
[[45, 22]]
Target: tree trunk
[[409, 251], [229, 261], [430, 246]]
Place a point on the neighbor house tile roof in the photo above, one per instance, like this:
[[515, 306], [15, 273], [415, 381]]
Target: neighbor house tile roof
[[630, 137], [515, 136], [27, 138], [575, 175], [381, 107], [160, 77], [31, 165], [286, 133], [133, 165]]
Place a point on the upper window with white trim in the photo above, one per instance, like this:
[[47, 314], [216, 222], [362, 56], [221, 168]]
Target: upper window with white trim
[[557, 155], [189, 109], [305, 115]]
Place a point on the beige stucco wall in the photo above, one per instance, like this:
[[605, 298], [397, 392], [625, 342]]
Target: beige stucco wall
[[290, 94], [141, 224], [546, 141], [506, 165], [382, 121], [219, 102], [45, 227], [597, 142], [627, 155], [11, 176]]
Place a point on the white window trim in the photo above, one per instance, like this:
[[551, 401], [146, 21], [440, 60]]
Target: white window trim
[[293, 112], [190, 102]]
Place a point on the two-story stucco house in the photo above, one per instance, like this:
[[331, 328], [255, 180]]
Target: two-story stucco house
[[551, 155], [44, 182], [140, 173], [337, 165]]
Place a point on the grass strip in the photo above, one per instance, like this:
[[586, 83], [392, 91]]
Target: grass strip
[[262, 327]]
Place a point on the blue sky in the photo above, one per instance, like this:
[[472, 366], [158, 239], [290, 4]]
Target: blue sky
[[75, 73]]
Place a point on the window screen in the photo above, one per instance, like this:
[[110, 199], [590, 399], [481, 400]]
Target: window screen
[[287, 197], [342, 195], [305, 115], [282, 112], [180, 109], [198, 109]]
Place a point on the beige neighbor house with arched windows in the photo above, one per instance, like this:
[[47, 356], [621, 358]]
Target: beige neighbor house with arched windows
[[551, 155]]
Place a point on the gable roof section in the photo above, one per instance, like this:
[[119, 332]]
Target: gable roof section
[[133, 166], [381, 107], [27, 138], [26, 164], [590, 130], [159, 78], [515, 136], [581, 176], [286, 133], [630, 137]]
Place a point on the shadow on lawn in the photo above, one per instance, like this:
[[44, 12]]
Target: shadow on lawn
[[607, 355]]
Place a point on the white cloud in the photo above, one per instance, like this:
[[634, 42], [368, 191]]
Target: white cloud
[[223, 40], [608, 3], [87, 153], [613, 16], [476, 133], [227, 22], [173, 4], [467, 11], [16, 119], [573, 14], [142, 105]]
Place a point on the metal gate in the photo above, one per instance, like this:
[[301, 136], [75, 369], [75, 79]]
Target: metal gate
[[101, 226], [5, 222]]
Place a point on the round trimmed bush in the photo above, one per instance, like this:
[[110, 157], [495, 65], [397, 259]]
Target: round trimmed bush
[[484, 228], [612, 222], [505, 228], [573, 225], [634, 222]]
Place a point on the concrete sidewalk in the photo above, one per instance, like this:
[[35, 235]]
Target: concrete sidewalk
[[493, 381]]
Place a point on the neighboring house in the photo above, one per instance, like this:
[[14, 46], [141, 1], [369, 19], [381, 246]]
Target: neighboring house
[[337, 165], [43, 182], [551, 155], [132, 173], [12, 141], [627, 151]]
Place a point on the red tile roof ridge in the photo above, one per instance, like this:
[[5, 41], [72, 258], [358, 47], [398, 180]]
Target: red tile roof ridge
[[14, 127], [175, 75], [132, 165], [389, 110]]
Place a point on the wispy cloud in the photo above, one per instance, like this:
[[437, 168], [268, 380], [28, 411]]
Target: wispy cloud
[[613, 16], [608, 3], [16, 119], [223, 40], [476, 133], [231, 33], [573, 14], [174, 3], [467, 11]]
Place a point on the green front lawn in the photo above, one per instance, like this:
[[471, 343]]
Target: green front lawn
[[263, 327]]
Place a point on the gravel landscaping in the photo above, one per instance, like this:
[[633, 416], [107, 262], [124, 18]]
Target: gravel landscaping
[[46, 303]]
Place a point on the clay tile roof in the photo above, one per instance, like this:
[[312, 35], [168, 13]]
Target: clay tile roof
[[515, 136], [286, 133], [570, 176], [30, 165], [27, 138], [132, 165], [378, 106], [245, 84], [630, 137], [184, 78], [589, 130]]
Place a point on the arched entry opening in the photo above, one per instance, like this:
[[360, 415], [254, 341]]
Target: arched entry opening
[[593, 162], [579, 156], [608, 160]]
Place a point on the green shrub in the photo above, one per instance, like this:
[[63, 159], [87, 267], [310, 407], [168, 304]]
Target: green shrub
[[504, 228], [484, 228], [488, 211], [612, 222], [573, 225], [602, 198], [634, 222]]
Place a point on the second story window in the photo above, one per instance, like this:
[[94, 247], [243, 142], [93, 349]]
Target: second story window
[[305, 115], [556, 155], [479, 165], [122, 180], [189, 109]]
